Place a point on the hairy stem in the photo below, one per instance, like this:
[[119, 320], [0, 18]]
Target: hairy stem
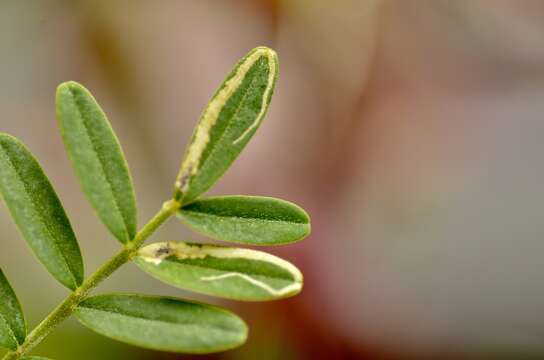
[[67, 307]]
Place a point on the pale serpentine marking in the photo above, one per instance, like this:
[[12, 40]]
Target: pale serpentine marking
[[201, 137], [156, 253], [274, 292]]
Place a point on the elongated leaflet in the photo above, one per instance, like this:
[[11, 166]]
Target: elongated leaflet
[[233, 273], [162, 323], [12, 322], [228, 123], [255, 220], [38, 212], [97, 158]]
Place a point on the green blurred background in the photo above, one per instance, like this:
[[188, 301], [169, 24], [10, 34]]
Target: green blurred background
[[411, 130]]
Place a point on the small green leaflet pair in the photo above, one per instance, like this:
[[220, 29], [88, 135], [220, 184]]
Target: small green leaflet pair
[[162, 323]]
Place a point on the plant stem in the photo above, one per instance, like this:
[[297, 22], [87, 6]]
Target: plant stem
[[67, 307]]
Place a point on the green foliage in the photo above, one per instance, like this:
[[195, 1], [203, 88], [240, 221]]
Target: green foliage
[[254, 220], [162, 323], [240, 274], [12, 321], [97, 158], [227, 124], [35, 358], [38, 212]]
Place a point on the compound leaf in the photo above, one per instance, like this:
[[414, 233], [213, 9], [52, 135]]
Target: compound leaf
[[252, 220], [228, 123], [97, 157], [38, 212], [162, 323], [233, 273], [12, 322]]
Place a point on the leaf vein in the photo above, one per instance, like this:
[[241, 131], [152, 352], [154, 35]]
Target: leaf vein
[[292, 279], [102, 166], [248, 219], [131, 316]]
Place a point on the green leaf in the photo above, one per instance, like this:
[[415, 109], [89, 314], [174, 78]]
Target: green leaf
[[228, 123], [239, 274], [162, 323], [35, 358], [247, 219], [12, 321], [38, 212], [97, 158]]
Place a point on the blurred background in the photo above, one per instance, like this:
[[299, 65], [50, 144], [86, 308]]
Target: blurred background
[[411, 130]]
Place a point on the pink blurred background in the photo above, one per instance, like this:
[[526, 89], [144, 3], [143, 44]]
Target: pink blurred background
[[411, 130]]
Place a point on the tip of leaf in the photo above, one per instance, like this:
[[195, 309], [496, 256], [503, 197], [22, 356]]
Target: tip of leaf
[[6, 136], [307, 220], [308, 223], [265, 51], [68, 86], [268, 53]]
